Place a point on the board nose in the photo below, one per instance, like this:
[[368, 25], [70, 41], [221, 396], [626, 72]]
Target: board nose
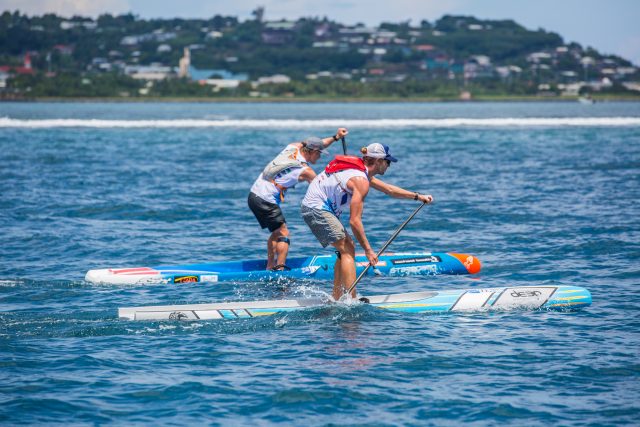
[[471, 263]]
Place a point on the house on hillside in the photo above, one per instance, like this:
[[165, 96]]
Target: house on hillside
[[569, 76], [437, 62], [359, 30], [634, 86], [478, 66], [276, 37], [221, 84], [68, 25], [322, 31], [538, 57], [622, 72], [100, 64], [4, 76], [198, 75], [275, 79], [159, 36], [424, 47], [278, 32], [63, 49], [12, 70], [163, 48], [383, 37], [149, 72], [508, 71], [326, 44], [217, 78], [212, 35]]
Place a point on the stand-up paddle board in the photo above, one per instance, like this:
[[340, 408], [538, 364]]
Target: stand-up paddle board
[[314, 267], [530, 297]]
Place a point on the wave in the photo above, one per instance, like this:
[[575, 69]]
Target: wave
[[6, 122]]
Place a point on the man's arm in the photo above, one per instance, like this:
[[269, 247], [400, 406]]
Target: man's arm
[[398, 192], [360, 187], [341, 133], [307, 175]]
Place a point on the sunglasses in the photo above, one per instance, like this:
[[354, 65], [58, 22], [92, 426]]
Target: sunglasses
[[388, 162]]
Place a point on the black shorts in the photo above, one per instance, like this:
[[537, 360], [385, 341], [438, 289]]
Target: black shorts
[[269, 215]]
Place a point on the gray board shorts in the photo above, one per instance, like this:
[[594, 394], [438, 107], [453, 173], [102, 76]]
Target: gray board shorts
[[324, 225]]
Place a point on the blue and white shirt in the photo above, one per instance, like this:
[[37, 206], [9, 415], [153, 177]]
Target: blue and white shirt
[[330, 192]]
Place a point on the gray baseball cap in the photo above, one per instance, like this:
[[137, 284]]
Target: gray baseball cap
[[314, 143]]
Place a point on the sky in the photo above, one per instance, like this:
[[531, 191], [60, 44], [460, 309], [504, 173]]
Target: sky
[[610, 26]]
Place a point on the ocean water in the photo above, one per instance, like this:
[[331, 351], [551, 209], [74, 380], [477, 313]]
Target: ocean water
[[542, 193]]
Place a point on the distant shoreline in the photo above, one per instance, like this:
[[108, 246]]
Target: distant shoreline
[[480, 99]]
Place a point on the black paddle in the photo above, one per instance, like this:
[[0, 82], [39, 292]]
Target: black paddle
[[385, 246], [344, 146]]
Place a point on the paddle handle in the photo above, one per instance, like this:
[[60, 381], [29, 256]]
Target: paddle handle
[[386, 245]]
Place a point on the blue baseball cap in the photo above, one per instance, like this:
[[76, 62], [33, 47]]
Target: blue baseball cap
[[379, 151]]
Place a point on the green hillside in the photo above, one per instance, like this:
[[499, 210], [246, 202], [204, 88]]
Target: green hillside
[[455, 56]]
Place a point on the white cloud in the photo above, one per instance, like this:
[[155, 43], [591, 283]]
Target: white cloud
[[66, 7]]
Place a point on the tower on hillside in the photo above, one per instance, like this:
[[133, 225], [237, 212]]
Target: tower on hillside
[[185, 64], [258, 13]]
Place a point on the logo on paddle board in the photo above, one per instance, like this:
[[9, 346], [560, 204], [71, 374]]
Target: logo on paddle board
[[186, 279], [178, 315], [431, 258], [413, 269], [525, 294], [311, 269]]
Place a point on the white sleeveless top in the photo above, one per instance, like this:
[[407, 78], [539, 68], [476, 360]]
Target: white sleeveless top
[[330, 193], [288, 178]]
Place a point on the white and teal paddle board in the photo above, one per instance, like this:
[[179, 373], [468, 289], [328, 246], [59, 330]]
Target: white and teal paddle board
[[508, 298]]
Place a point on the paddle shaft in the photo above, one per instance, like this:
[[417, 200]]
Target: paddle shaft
[[386, 245], [344, 146]]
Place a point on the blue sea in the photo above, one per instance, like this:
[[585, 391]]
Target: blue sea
[[541, 193]]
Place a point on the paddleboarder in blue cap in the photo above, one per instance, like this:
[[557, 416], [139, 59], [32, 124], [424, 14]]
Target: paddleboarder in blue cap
[[344, 184]]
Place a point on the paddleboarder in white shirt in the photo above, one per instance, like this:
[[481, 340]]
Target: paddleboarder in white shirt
[[345, 183], [283, 172]]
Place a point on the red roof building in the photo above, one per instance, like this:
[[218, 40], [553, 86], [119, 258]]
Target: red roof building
[[25, 69]]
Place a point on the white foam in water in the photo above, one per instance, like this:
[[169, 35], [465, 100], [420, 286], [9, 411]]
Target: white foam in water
[[6, 122], [9, 283]]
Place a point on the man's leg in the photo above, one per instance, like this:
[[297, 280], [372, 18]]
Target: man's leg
[[269, 216], [345, 268], [271, 251], [279, 246]]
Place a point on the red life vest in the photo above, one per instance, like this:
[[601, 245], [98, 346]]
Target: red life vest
[[341, 163]]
